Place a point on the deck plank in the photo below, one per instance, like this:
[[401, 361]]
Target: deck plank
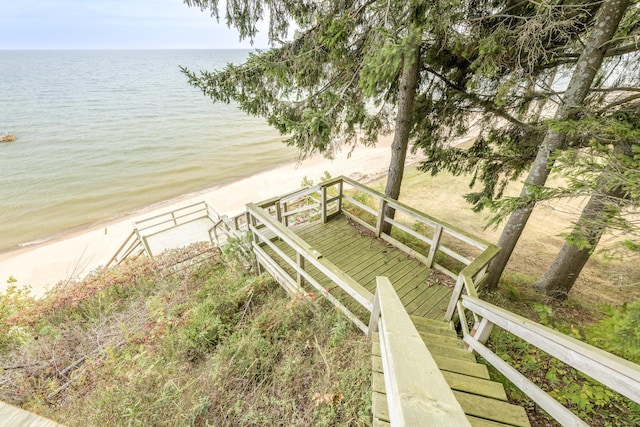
[[13, 416]]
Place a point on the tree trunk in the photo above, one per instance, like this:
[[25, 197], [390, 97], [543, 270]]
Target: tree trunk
[[565, 269], [589, 62], [404, 120]]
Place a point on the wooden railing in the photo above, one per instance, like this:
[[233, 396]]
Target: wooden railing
[[136, 243], [445, 248], [228, 228], [131, 248], [265, 228], [473, 266], [434, 238], [618, 374], [157, 224], [417, 392]]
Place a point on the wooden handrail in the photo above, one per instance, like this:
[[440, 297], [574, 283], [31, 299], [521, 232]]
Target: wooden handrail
[[467, 278], [612, 371], [350, 286], [427, 219], [205, 207], [417, 392]]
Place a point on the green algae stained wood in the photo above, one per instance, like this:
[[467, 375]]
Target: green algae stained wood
[[363, 257]]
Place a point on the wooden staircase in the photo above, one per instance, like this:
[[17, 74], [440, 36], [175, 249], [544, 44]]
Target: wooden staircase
[[483, 401]]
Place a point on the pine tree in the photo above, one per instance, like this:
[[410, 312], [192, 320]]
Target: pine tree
[[350, 72]]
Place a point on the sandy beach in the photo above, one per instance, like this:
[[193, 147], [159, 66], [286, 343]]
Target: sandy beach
[[75, 255]]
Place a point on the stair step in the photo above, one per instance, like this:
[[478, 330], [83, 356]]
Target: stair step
[[431, 326], [483, 401], [451, 341], [457, 382], [492, 409]]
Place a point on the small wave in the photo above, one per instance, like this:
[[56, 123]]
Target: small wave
[[33, 242]]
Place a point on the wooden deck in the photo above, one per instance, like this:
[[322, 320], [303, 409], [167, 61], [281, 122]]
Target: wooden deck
[[180, 235], [361, 256]]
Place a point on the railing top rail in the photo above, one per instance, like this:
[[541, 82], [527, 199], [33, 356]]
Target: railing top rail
[[300, 193], [409, 367], [452, 229], [289, 196], [295, 241], [613, 371], [145, 220]]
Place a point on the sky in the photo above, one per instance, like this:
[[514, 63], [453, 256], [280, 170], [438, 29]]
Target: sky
[[114, 24]]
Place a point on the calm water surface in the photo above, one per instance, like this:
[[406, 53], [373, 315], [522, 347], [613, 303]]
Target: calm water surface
[[103, 133]]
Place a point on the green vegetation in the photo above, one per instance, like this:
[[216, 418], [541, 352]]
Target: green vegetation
[[204, 345]]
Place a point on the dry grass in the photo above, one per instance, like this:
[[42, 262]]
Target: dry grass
[[204, 345]]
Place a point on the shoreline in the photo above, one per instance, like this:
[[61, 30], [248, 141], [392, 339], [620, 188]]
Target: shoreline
[[134, 212], [78, 251]]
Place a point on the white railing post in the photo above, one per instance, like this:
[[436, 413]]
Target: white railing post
[[375, 315], [435, 242], [482, 331]]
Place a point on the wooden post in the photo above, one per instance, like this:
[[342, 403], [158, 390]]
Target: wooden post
[[375, 315], [323, 205], [300, 261], [380, 219], [435, 242], [482, 332], [173, 215], [340, 194], [285, 220], [278, 211], [251, 222], [455, 296], [147, 248], [247, 220], [479, 276]]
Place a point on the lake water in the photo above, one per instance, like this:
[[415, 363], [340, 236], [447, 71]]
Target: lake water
[[104, 133]]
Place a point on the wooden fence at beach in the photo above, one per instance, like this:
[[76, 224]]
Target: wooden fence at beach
[[138, 241]]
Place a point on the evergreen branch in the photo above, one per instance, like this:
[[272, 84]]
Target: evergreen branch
[[486, 105], [619, 102]]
